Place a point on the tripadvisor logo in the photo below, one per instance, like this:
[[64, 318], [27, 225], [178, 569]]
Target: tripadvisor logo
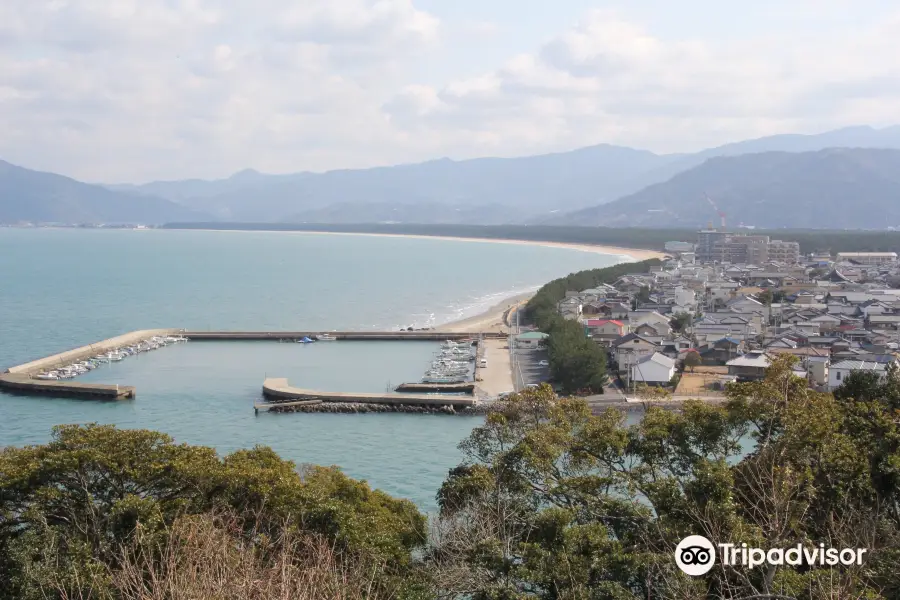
[[695, 555]]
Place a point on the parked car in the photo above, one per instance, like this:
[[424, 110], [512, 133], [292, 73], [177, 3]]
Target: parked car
[[544, 363]]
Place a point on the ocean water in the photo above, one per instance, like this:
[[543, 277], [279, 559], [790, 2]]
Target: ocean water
[[62, 288]]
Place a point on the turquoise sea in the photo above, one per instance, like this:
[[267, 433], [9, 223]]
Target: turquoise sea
[[62, 288]]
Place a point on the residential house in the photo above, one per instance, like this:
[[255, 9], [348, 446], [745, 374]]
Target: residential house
[[721, 351], [655, 369], [630, 348], [570, 308], [750, 366], [651, 329], [826, 322], [530, 339], [884, 321], [604, 331], [839, 371]]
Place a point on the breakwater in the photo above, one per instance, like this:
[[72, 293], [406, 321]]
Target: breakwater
[[24, 384], [281, 395], [422, 335]]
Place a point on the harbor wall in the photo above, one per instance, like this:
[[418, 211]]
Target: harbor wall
[[432, 336], [77, 354], [24, 384], [279, 389]]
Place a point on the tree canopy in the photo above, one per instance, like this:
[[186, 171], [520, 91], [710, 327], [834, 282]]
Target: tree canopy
[[542, 308], [554, 502], [67, 507]]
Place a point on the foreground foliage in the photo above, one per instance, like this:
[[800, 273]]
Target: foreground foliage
[[554, 502], [68, 507]]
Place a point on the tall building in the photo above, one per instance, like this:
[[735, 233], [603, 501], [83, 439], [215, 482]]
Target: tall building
[[706, 240], [784, 252], [744, 249], [723, 247]]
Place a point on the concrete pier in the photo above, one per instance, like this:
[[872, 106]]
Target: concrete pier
[[431, 336], [280, 393], [77, 354], [19, 379], [24, 384]]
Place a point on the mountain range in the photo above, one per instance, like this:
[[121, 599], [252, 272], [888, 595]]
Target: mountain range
[[837, 188], [35, 196], [601, 184]]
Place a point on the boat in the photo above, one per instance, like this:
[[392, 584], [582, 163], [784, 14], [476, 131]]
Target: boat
[[305, 340], [326, 338], [47, 376], [436, 379]]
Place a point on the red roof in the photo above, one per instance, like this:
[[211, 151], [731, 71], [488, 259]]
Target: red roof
[[601, 322]]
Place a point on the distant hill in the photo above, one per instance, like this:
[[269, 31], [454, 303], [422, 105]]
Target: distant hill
[[37, 197], [532, 189], [525, 187], [421, 213], [848, 137], [839, 188]]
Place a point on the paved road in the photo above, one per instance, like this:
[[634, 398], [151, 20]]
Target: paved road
[[529, 369]]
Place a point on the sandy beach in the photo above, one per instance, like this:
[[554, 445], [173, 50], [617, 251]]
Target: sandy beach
[[634, 254], [497, 377]]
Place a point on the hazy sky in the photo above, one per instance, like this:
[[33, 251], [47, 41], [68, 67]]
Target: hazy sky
[[134, 90]]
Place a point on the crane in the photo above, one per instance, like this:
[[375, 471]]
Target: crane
[[716, 208]]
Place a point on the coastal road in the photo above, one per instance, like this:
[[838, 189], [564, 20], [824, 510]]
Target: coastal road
[[529, 371]]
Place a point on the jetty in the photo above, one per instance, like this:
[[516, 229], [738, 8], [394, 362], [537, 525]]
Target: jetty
[[422, 335], [280, 394], [24, 384]]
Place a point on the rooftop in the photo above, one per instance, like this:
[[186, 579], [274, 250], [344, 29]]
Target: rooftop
[[860, 365], [533, 335]]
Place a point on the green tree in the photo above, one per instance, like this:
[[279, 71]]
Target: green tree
[[541, 310], [67, 507], [692, 359], [554, 502], [681, 321], [576, 361]]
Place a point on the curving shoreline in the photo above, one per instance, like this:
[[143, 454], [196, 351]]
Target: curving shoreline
[[635, 254]]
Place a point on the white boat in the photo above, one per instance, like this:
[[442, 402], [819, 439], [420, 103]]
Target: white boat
[[443, 379], [326, 338], [47, 376]]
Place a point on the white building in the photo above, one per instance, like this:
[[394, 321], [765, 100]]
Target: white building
[[868, 258], [531, 339], [838, 372], [653, 369]]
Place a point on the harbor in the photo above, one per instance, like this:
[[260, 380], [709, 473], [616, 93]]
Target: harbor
[[449, 381]]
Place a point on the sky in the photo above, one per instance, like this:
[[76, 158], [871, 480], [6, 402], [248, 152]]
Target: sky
[[139, 90]]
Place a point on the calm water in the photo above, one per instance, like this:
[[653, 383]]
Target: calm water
[[65, 288]]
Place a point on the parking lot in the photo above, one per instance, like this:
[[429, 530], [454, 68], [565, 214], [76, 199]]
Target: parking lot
[[530, 371]]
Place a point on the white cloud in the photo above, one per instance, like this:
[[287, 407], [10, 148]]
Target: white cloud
[[610, 80], [113, 90]]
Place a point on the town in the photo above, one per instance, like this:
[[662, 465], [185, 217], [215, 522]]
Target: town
[[719, 310]]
